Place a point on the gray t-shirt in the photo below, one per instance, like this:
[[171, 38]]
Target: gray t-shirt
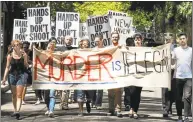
[[183, 62]]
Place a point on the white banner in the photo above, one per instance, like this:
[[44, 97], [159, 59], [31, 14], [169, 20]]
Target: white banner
[[114, 13], [123, 25], [106, 68], [99, 25], [67, 24], [38, 24], [20, 30]]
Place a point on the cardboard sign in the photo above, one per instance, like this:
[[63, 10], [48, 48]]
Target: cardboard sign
[[67, 24], [99, 25], [123, 25], [38, 24], [83, 30], [20, 29]]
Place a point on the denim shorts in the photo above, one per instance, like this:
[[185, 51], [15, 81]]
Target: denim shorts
[[82, 93], [16, 80]]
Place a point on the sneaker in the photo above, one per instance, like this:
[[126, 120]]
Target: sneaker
[[110, 113], [51, 114], [80, 114], [37, 102], [135, 115], [180, 119], [13, 115], [127, 108], [118, 114], [23, 103], [165, 113], [17, 115], [98, 107], [186, 119], [47, 112]]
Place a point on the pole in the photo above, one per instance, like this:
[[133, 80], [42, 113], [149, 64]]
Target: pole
[[192, 67], [0, 43]]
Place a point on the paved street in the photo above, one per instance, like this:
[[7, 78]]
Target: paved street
[[150, 110]]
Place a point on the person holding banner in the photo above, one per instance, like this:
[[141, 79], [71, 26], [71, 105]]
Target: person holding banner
[[115, 95], [168, 96], [38, 93], [127, 101], [183, 74], [98, 94], [135, 91], [64, 95], [49, 95], [16, 64], [84, 43]]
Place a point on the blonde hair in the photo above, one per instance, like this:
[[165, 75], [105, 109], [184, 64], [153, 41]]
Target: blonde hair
[[16, 41]]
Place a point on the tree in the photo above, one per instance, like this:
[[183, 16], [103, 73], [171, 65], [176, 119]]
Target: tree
[[141, 19], [60, 6]]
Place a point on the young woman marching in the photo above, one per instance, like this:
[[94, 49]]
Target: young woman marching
[[15, 68]]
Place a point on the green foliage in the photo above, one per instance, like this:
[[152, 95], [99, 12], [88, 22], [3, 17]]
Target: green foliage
[[96, 8], [55, 6], [141, 18]]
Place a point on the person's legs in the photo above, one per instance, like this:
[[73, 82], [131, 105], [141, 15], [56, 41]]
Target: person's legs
[[89, 95], [118, 99], [187, 96], [14, 98], [75, 96], [38, 94], [51, 102], [19, 90], [132, 90], [165, 101], [127, 98], [46, 98], [179, 93], [137, 98], [23, 95], [80, 100], [12, 83], [94, 98], [64, 95], [99, 98], [111, 98]]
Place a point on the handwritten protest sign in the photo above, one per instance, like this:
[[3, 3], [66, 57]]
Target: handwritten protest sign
[[67, 24], [114, 13], [123, 25], [38, 24], [83, 30], [20, 29], [105, 68], [99, 25]]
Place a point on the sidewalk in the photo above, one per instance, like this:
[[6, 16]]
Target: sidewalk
[[150, 110]]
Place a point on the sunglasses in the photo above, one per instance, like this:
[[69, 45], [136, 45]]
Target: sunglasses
[[16, 45]]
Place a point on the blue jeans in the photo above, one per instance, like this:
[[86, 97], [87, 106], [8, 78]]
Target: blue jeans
[[49, 96]]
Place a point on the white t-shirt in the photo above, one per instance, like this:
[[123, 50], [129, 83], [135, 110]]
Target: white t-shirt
[[183, 62]]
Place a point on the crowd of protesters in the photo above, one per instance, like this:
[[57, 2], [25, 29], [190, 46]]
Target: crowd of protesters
[[19, 76]]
